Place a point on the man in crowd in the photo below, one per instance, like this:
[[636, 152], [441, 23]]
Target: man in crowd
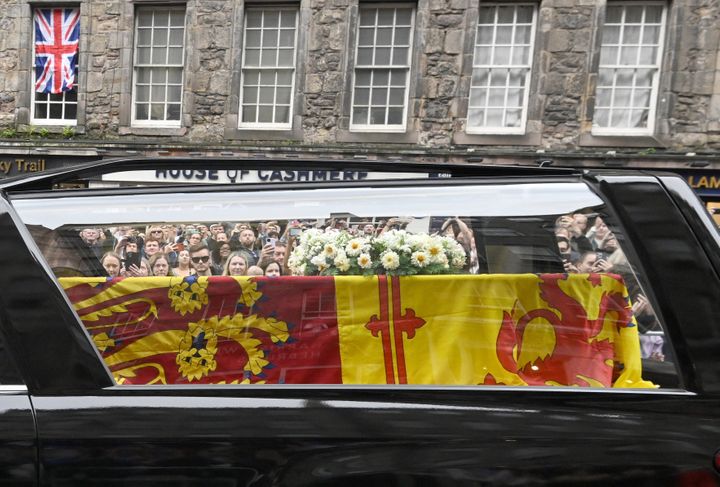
[[245, 244], [202, 262], [91, 237]]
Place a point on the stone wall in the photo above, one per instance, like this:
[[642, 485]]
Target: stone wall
[[11, 51], [561, 98]]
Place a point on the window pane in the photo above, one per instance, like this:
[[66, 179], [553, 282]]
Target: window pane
[[70, 111], [250, 95], [141, 111], [253, 18], [285, 57], [265, 114], [384, 36], [360, 116], [395, 116], [41, 110], [270, 38], [249, 114], [287, 18], [143, 55], [267, 95], [377, 116], [379, 96], [173, 111], [174, 93], [402, 36], [252, 38], [143, 75], [174, 75], [252, 57], [269, 57], [157, 111], [177, 18], [175, 55], [382, 56], [144, 37], [365, 56], [160, 37], [287, 38], [400, 56], [142, 93], [159, 56], [631, 34], [159, 75], [158, 93], [362, 96], [282, 114], [283, 96]]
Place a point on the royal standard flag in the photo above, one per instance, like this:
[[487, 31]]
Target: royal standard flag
[[549, 329]]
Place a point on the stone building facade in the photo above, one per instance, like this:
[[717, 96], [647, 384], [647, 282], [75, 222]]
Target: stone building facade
[[441, 94]]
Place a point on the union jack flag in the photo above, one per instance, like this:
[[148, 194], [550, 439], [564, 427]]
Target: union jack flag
[[57, 35]]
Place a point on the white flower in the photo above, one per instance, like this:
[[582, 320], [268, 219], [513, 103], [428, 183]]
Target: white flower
[[458, 260], [390, 260], [330, 251], [435, 251], [419, 259], [318, 260], [342, 262], [364, 261], [355, 247]]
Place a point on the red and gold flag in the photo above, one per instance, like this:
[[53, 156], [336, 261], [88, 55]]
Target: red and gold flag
[[550, 329]]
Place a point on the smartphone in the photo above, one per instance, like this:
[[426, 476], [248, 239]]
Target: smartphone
[[132, 258], [294, 232], [270, 241]]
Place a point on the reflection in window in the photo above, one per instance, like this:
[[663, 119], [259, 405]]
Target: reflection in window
[[158, 75], [382, 69], [268, 72], [501, 69], [629, 69]]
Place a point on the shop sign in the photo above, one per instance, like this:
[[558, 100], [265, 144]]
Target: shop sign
[[235, 176]]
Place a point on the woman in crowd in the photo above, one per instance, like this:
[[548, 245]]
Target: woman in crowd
[[273, 269], [184, 268], [111, 263], [221, 254], [159, 265], [236, 265]]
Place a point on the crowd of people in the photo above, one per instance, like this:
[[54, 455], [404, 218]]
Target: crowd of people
[[190, 249], [590, 246]]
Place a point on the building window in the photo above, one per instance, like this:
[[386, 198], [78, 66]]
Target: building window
[[502, 66], [56, 34], [268, 68], [158, 67], [629, 70], [382, 69]]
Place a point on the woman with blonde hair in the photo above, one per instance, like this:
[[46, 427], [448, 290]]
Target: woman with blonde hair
[[235, 265]]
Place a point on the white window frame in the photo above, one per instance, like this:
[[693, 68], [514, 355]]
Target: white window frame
[[60, 122], [134, 122], [528, 75], [394, 128], [650, 129], [293, 70]]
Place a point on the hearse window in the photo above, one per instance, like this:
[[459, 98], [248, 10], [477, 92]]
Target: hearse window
[[524, 284]]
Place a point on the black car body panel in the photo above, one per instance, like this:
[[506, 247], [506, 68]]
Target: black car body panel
[[93, 432]]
